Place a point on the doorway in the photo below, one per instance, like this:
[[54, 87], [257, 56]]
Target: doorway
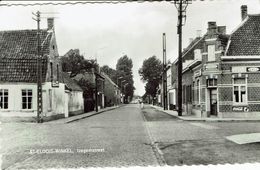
[[213, 102]]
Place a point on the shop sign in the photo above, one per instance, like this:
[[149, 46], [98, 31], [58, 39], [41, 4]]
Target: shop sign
[[240, 109], [211, 66], [253, 69], [197, 73]]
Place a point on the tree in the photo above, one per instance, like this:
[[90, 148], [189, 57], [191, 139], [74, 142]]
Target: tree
[[112, 73], [75, 64], [150, 73], [124, 69]]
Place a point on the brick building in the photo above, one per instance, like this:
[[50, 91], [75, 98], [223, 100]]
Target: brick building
[[221, 73]]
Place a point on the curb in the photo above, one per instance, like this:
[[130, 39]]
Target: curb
[[208, 119], [82, 116], [93, 114]]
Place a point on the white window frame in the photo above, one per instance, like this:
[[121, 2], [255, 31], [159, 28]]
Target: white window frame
[[3, 99], [27, 96], [211, 53], [197, 54], [239, 91]]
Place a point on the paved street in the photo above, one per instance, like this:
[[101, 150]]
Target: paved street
[[127, 136], [120, 133], [187, 142]]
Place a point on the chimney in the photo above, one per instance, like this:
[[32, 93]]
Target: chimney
[[222, 29], [198, 33], [212, 27], [243, 12], [50, 22]]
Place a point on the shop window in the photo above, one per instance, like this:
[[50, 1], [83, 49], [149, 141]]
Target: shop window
[[3, 99], [239, 91], [212, 82], [211, 53], [26, 99]]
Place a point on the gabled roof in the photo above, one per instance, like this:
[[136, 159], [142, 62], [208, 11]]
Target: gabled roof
[[24, 41], [109, 79], [245, 40], [21, 68], [70, 83], [18, 52]]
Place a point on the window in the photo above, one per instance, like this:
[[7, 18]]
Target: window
[[212, 82], [26, 99], [51, 65], [3, 99], [197, 54], [239, 91], [198, 91], [58, 72], [211, 53]]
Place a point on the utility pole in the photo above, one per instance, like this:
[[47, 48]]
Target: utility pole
[[164, 74], [181, 6], [39, 70]]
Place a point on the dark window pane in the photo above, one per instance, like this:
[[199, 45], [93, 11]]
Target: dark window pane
[[1, 93], [30, 99], [29, 105], [6, 93], [23, 92], [29, 92], [5, 99], [5, 105], [1, 105], [24, 99], [24, 106]]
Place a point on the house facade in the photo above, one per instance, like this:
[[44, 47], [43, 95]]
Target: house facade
[[18, 75], [93, 80], [221, 72], [112, 92]]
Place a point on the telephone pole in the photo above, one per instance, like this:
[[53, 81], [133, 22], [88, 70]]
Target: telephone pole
[[181, 6], [39, 70], [164, 74]]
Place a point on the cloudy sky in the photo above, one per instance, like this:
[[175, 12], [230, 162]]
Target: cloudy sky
[[109, 31]]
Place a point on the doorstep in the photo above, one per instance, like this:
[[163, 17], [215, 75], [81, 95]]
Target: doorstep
[[208, 119]]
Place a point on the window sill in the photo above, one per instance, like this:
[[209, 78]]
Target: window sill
[[27, 110], [240, 104]]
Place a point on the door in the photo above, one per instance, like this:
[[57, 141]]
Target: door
[[213, 102]]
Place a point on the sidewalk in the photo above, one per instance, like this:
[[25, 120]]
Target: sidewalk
[[194, 118], [81, 116]]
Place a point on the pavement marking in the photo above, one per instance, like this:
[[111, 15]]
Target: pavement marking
[[244, 138], [205, 126]]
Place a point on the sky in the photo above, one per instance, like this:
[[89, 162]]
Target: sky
[[109, 31]]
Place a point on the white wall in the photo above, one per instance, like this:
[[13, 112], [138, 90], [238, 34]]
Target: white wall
[[76, 102], [53, 102], [15, 100]]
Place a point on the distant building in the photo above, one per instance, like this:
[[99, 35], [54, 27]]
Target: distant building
[[111, 91], [18, 75]]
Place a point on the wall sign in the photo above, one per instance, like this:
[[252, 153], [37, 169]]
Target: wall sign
[[253, 69], [240, 109]]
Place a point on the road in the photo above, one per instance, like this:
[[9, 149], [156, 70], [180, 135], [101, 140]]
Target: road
[[127, 136], [119, 136]]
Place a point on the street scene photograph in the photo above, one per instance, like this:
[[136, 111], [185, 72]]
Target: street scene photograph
[[130, 83]]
